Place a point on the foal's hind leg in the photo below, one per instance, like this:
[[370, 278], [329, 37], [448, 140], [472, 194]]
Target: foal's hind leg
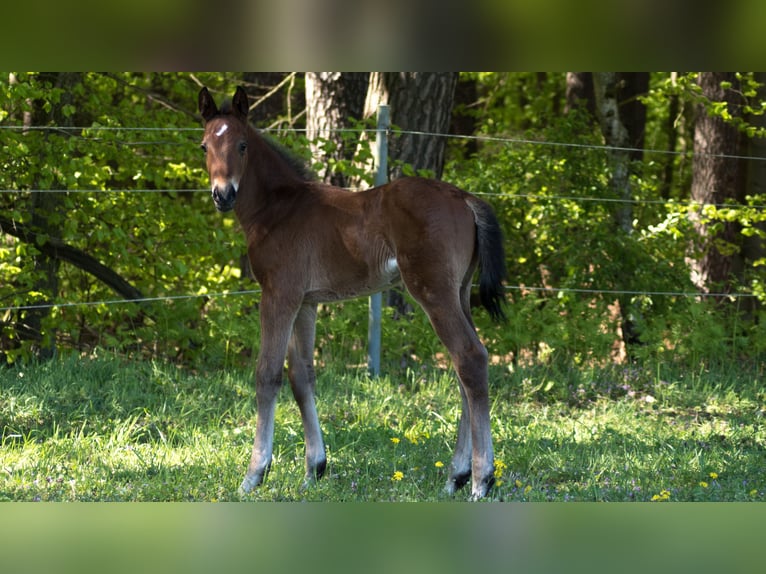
[[474, 435], [300, 370], [460, 469], [452, 323]]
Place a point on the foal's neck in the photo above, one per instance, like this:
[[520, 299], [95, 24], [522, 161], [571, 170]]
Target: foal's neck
[[268, 183]]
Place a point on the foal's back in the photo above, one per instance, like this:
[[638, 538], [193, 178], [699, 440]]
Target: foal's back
[[336, 244], [418, 223]]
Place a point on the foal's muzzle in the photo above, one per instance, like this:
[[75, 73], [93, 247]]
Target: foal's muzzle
[[224, 197]]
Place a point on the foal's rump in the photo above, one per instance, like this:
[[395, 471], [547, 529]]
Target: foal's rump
[[429, 219], [439, 230]]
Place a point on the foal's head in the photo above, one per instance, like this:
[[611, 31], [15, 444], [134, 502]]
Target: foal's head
[[225, 145]]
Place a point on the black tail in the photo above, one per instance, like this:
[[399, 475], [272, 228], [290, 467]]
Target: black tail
[[491, 258]]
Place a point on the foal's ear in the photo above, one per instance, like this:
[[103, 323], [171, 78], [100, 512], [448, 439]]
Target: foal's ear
[[207, 105], [239, 103]]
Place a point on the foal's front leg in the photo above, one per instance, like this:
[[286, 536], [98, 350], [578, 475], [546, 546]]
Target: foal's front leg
[[276, 324]]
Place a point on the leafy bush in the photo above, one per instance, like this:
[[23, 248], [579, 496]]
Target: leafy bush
[[575, 277]]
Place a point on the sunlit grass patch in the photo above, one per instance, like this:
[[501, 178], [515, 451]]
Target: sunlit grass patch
[[109, 430]]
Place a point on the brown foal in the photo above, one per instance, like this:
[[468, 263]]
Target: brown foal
[[309, 243]]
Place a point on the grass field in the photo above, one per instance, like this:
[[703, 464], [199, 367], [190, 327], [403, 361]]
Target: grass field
[[104, 429]]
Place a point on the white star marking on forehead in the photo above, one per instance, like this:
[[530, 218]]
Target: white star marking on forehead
[[221, 130]]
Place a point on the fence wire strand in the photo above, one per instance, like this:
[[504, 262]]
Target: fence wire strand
[[395, 131], [604, 147], [163, 298], [519, 288], [531, 196]]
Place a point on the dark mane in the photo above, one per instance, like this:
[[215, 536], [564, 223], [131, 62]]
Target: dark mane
[[296, 163], [293, 160]]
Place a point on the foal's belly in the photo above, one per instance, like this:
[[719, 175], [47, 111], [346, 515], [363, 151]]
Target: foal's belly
[[385, 278]]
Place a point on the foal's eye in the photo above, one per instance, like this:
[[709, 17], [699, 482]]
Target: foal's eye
[[242, 147]]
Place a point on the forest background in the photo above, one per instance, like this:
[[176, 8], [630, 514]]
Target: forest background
[[632, 206]]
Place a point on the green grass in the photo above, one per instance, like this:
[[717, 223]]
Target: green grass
[[108, 430]]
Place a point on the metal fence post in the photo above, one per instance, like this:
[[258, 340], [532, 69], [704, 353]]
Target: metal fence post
[[376, 300]]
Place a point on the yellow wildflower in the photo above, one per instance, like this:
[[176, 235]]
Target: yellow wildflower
[[398, 475], [438, 464], [395, 439], [500, 466], [662, 496], [713, 475], [703, 484]]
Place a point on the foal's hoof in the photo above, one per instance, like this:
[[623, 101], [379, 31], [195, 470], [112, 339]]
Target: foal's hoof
[[483, 488], [478, 491], [456, 482], [314, 473], [250, 482]]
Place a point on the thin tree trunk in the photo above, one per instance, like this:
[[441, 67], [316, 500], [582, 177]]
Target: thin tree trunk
[[55, 248], [671, 133], [622, 124], [616, 135], [754, 247], [579, 92], [45, 210]]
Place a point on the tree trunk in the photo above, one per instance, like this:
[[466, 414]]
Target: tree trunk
[[420, 102], [463, 121], [716, 258], [333, 101], [622, 119], [632, 85]]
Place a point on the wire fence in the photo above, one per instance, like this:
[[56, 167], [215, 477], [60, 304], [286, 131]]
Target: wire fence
[[394, 131], [478, 138]]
